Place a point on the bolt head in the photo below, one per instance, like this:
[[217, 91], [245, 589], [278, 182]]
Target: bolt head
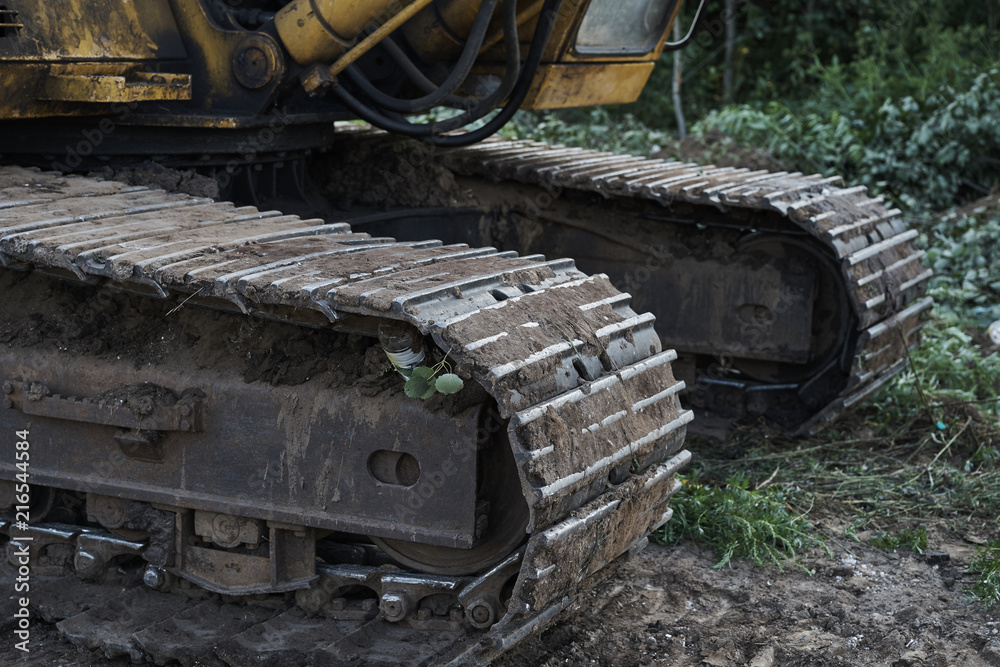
[[87, 565], [480, 613], [393, 606], [256, 62], [153, 577], [8, 387]]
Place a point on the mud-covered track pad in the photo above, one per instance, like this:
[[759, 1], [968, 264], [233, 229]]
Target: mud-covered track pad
[[580, 379]]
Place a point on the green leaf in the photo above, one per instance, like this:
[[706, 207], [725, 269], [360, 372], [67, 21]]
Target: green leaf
[[449, 383], [424, 372], [418, 387]]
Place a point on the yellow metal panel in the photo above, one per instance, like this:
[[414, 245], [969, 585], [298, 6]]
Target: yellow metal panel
[[582, 85], [66, 30], [321, 30], [138, 87], [438, 32]]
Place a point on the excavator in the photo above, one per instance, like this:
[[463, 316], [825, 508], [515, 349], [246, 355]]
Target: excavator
[[287, 375]]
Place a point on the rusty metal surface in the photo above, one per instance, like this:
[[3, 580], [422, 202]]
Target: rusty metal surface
[[581, 377]]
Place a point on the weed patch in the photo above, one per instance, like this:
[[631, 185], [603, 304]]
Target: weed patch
[[914, 539], [987, 565], [739, 522]]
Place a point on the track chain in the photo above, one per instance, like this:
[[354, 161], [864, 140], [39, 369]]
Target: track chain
[[595, 422], [882, 269]]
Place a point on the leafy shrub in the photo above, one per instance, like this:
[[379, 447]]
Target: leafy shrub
[[926, 151], [947, 367], [963, 248], [595, 128]]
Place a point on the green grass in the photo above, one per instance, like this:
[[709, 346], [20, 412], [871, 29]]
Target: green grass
[[914, 539], [987, 565], [737, 521]]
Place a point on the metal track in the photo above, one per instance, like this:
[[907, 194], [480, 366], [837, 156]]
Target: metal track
[[881, 271], [588, 393]]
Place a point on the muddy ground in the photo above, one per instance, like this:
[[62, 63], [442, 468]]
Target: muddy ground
[[860, 606]]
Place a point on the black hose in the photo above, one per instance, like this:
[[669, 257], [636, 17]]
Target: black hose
[[478, 108], [546, 21], [458, 74], [408, 66]]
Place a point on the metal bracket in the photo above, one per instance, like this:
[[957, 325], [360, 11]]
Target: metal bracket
[[33, 398], [289, 563]]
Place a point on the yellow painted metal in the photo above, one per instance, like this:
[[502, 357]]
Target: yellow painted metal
[[66, 30], [439, 32], [136, 87], [75, 57], [524, 16], [317, 31], [587, 84], [377, 36], [215, 83]]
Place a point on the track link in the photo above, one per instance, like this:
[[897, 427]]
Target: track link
[[594, 420], [881, 272]]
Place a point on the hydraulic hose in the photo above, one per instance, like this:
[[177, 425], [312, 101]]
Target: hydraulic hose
[[431, 131], [458, 74]]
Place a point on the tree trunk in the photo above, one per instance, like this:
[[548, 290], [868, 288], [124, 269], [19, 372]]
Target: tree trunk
[[729, 70], [678, 64]]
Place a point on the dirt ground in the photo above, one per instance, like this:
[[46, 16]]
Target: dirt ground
[[862, 606]]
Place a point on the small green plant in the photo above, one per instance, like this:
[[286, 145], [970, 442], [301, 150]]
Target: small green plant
[[425, 381], [987, 565], [914, 539], [739, 522]]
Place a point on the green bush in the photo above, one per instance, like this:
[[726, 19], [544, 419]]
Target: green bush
[[595, 128], [925, 152], [951, 365], [963, 248]]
